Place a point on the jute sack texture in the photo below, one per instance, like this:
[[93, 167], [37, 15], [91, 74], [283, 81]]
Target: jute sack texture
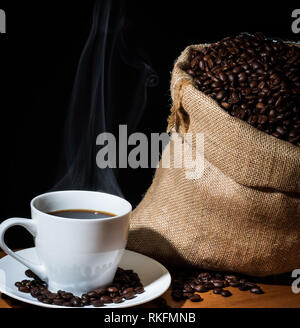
[[242, 214]]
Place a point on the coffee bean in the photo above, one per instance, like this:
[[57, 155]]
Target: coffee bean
[[194, 62], [160, 302], [100, 291], [92, 294], [195, 298], [262, 119], [187, 288], [117, 299], [34, 294], [252, 119], [200, 289], [129, 295], [30, 274], [76, 301], [209, 285], [242, 77], [237, 69], [226, 283], [85, 302], [85, 296], [24, 289], [139, 290], [204, 275], [218, 284], [256, 290], [250, 284], [217, 290], [177, 296], [112, 289], [244, 287], [60, 292], [234, 283], [231, 77], [40, 298], [225, 105], [226, 293], [127, 290], [220, 95], [276, 134], [281, 130], [278, 101], [260, 105], [106, 299], [68, 304], [58, 301], [67, 296], [187, 295], [223, 77]]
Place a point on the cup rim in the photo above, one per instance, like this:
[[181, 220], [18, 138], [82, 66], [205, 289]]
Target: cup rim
[[33, 206]]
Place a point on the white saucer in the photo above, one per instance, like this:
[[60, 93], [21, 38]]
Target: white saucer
[[154, 276]]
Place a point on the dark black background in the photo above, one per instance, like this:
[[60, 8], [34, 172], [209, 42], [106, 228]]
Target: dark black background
[[39, 55]]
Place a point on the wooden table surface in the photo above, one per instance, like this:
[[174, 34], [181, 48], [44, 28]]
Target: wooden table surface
[[275, 296]]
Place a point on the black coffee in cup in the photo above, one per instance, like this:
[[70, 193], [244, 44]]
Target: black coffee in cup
[[82, 214]]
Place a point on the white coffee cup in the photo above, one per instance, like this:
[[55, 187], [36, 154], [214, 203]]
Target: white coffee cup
[[75, 255]]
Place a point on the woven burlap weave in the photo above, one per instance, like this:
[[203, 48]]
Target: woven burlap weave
[[242, 215]]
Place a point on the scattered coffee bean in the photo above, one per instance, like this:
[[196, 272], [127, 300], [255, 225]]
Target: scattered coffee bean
[[127, 290], [97, 303], [86, 302], [30, 274], [234, 283], [58, 301], [105, 299], [187, 295], [24, 289], [161, 303], [200, 289], [218, 284], [67, 296], [69, 304], [256, 290], [187, 288], [244, 287], [117, 299], [139, 290], [206, 281], [112, 289], [76, 301], [100, 291], [125, 286], [217, 291], [196, 298], [129, 295], [226, 293]]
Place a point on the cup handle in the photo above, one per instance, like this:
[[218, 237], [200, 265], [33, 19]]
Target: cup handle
[[30, 225]]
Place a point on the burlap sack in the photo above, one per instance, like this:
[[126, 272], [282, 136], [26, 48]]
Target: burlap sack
[[242, 215]]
